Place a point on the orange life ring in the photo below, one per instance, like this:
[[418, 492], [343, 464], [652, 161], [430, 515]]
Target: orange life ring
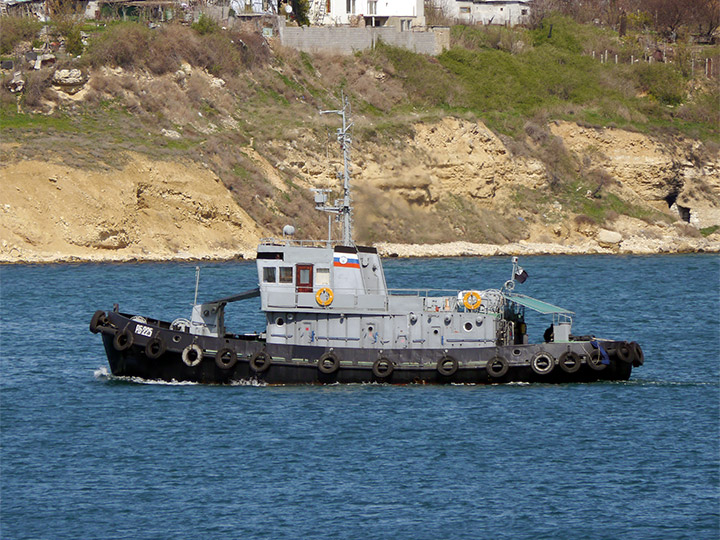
[[324, 302], [472, 300]]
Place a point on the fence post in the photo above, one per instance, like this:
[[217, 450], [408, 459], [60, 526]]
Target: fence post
[[616, 59]]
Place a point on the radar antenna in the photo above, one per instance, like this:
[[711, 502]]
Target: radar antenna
[[342, 207]]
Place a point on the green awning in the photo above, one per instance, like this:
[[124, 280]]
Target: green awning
[[536, 305]]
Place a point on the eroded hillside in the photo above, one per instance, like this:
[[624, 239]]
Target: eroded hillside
[[187, 158]]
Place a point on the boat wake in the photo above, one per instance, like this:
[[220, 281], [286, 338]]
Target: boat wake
[[103, 374]]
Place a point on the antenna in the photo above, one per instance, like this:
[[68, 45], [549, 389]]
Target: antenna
[[342, 207], [197, 282]]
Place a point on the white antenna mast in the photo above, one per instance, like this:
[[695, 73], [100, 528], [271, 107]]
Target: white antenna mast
[[341, 207]]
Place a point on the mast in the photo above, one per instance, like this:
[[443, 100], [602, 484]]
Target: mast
[[342, 207]]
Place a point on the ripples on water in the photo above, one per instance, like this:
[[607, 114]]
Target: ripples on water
[[87, 455]]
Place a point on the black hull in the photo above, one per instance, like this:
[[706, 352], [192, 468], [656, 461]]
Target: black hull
[[254, 359]]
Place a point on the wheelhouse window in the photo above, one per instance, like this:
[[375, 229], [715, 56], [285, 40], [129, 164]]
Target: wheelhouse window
[[286, 274], [269, 275], [322, 277]]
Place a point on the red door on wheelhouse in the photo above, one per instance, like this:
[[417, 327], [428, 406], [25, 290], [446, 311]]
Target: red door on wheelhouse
[[304, 277]]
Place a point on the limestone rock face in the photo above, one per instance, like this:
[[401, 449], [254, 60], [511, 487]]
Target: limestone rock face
[[681, 174], [149, 210], [154, 209]]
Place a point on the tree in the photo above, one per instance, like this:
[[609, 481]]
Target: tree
[[705, 17], [670, 15]]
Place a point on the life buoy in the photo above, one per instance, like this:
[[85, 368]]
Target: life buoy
[[497, 366], [324, 296], [595, 360], [260, 362], [123, 340], [382, 368], [447, 366], [472, 300], [225, 358], [569, 361], [329, 363], [155, 348], [638, 355], [98, 319], [192, 355], [542, 363], [624, 352]]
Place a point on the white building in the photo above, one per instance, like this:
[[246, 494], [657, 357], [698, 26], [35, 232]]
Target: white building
[[405, 14], [505, 12]]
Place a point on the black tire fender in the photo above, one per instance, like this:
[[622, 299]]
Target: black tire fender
[[260, 362], [624, 352], [192, 355], [569, 361], [638, 354], [123, 339], [226, 358], [542, 363], [329, 363], [497, 366], [382, 368], [594, 360], [99, 318], [155, 348], [445, 369]]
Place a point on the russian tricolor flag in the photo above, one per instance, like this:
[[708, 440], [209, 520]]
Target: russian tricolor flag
[[346, 260]]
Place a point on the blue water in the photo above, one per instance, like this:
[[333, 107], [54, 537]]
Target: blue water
[[86, 456]]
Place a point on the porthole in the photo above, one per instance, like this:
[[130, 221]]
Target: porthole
[[279, 321], [516, 352], [436, 332], [176, 338], [468, 326], [370, 328]]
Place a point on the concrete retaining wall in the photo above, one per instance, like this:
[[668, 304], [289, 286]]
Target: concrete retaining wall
[[347, 40]]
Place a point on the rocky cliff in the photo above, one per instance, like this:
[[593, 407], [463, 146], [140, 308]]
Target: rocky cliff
[[153, 209]]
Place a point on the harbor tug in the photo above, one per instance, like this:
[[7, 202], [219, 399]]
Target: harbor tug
[[331, 319]]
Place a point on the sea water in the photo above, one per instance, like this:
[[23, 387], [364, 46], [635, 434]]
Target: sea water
[[88, 456]]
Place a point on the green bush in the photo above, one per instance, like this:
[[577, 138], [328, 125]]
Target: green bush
[[205, 25], [661, 81], [13, 30], [124, 45]]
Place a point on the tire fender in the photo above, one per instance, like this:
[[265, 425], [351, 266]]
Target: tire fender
[[226, 358], [569, 361], [542, 363], [382, 368], [447, 366], [497, 366], [329, 363], [260, 362], [155, 348], [192, 355], [123, 339]]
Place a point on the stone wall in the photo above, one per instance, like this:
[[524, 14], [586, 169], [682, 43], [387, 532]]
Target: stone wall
[[347, 40]]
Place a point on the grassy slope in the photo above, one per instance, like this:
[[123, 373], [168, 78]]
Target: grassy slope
[[515, 80]]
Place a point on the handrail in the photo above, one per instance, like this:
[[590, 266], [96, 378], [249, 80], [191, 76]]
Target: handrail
[[271, 241]]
